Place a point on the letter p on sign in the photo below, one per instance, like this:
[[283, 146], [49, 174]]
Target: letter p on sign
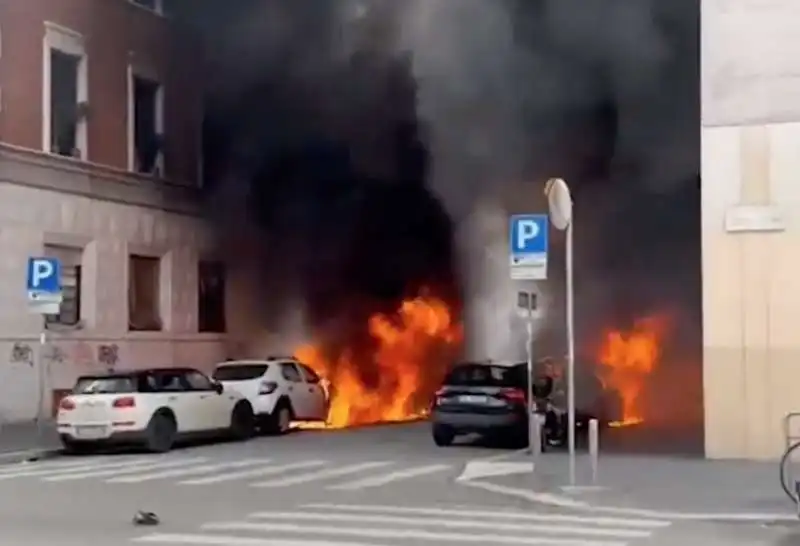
[[41, 270], [526, 230]]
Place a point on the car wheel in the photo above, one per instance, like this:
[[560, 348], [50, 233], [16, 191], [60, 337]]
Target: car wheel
[[160, 434], [443, 436], [280, 421], [242, 422]]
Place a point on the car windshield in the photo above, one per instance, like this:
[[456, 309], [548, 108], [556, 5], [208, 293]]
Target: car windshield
[[484, 375], [240, 372], [105, 385]]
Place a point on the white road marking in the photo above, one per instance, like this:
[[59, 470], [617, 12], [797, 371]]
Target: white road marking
[[478, 513], [54, 464], [253, 473], [82, 468], [187, 471], [222, 540], [483, 469], [322, 474], [383, 479], [401, 533], [455, 524], [140, 467]]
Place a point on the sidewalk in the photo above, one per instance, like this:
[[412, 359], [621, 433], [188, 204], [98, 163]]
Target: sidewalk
[[658, 483], [22, 440]]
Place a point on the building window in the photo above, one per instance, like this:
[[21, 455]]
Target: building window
[[146, 125], [144, 279], [211, 297], [70, 311], [65, 104]]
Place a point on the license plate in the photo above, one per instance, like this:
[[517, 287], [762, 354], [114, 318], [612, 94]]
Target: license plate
[[91, 432], [473, 399]]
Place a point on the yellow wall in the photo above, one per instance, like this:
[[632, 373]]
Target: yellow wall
[[751, 290]]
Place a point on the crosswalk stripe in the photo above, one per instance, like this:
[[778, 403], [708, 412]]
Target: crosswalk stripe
[[453, 524], [253, 473], [400, 533], [224, 540], [82, 468], [142, 467], [187, 471], [380, 480], [58, 464], [322, 474], [470, 513]]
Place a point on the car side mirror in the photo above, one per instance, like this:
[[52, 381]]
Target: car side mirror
[[218, 388]]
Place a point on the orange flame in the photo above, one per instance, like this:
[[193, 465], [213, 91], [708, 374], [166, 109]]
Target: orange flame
[[626, 360], [409, 353]]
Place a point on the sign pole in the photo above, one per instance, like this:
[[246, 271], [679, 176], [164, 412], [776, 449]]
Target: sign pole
[[45, 295], [559, 200], [41, 362], [570, 358]]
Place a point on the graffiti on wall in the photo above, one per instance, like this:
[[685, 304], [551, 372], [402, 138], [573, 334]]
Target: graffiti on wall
[[56, 354], [21, 353], [108, 355]]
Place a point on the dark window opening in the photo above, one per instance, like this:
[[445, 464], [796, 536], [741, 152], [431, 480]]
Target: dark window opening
[[147, 141], [211, 297], [143, 294], [64, 107]]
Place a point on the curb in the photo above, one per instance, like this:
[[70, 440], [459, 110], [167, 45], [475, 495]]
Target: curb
[[559, 501]]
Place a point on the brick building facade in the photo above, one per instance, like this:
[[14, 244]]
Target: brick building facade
[[100, 154]]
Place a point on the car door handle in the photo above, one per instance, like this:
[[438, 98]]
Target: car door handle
[[291, 389], [172, 398]]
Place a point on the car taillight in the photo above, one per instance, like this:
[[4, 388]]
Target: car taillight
[[124, 402], [66, 405], [513, 395], [267, 387]]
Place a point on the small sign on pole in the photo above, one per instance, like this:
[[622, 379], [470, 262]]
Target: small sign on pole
[[528, 245], [44, 286]]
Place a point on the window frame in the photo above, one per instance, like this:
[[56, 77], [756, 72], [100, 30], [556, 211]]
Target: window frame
[[70, 42]]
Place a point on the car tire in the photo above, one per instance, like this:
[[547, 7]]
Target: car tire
[[443, 435], [280, 420], [160, 433], [243, 425]]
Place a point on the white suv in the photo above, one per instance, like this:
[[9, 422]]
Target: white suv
[[280, 389]]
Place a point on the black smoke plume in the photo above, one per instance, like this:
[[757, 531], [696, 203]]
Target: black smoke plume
[[348, 142]]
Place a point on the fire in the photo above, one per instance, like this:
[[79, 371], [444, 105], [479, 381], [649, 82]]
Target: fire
[[626, 360], [393, 376]]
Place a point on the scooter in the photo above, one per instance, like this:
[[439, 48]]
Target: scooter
[[552, 426]]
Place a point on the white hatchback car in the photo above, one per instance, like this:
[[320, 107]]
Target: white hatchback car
[[280, 390], [152, 407]]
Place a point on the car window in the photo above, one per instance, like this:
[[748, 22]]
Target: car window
[[482, 375], [104, 385], [240, 372], [170, 382], [290, 373], [198, 381], [308, 374]]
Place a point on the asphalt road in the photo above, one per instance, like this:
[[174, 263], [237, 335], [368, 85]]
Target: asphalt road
[[382, 486]]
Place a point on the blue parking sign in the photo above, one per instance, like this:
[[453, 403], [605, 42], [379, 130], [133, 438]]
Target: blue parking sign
[[528, 246]]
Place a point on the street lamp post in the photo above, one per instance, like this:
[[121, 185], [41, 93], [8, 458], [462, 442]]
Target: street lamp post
[[559, 201]]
